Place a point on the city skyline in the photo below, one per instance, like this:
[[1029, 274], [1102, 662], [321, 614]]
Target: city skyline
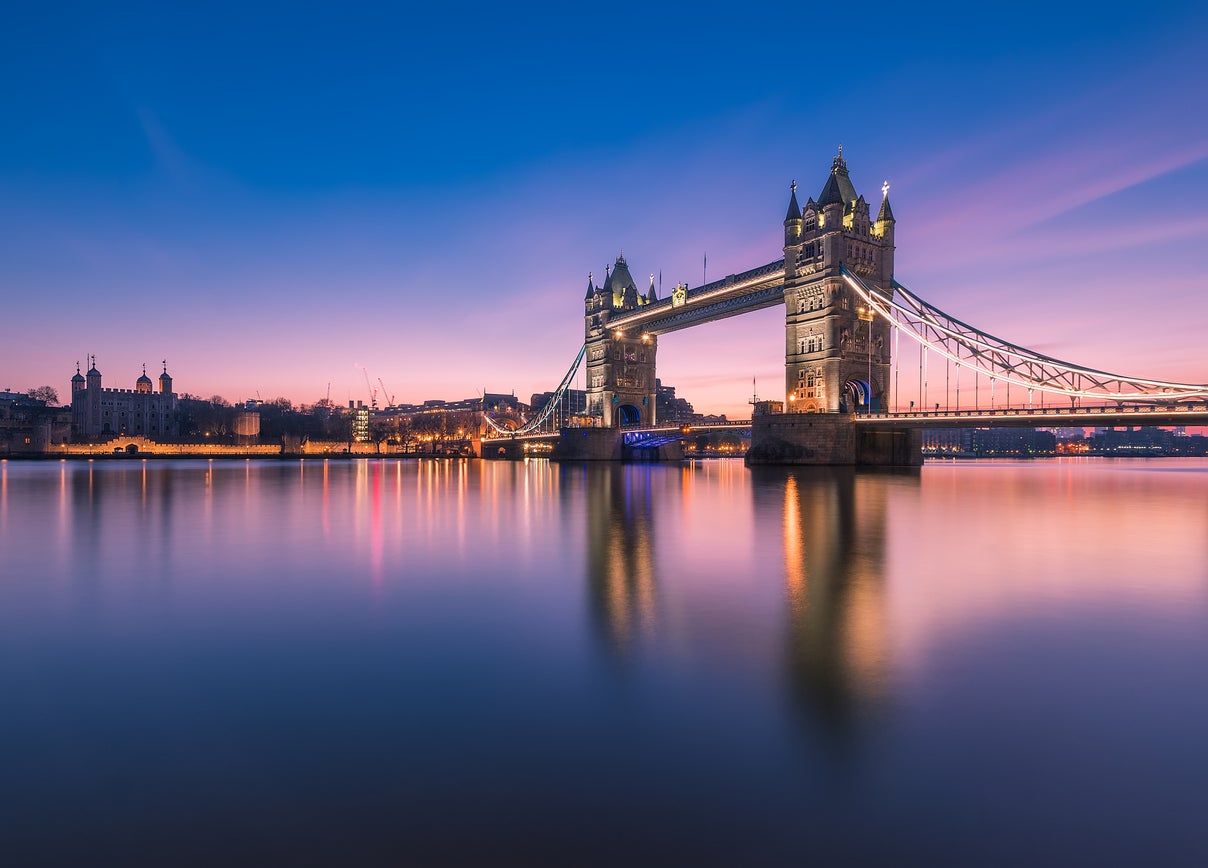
[[371, 191]]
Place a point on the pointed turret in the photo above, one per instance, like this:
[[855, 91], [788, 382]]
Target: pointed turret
[[794, 209], [620, 285], [838, 188], [792, 220], [591, 290], [882, 227], [93, 375], [651, 295], [885, 215]]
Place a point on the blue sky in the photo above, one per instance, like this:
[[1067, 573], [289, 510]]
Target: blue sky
[[272, 195]]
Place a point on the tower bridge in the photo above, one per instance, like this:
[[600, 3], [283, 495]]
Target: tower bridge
[[845, 318]]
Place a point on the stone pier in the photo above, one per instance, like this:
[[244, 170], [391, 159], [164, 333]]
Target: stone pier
[[830, 439]]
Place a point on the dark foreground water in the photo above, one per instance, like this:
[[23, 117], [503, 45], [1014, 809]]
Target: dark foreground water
[[383, 662]]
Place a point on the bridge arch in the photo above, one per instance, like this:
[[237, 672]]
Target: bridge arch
[[857, 397], [628, 414]]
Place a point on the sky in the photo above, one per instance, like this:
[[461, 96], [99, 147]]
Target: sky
[[280, 198]]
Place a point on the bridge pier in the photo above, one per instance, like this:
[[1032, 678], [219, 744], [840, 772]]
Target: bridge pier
[[830, 439], [588, 444], [501, 450], [889, 447]]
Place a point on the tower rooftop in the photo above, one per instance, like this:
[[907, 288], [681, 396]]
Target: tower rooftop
[[838, 187]]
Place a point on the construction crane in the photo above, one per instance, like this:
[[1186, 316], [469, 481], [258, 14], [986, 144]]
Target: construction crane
[[386, 393], [372, 391]]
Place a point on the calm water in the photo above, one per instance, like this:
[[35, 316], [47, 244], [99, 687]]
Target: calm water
[[383, 662]]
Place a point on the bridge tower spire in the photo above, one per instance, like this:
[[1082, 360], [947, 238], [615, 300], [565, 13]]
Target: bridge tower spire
[[836, 351]]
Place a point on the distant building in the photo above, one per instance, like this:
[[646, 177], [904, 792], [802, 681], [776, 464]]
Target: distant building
[[573, 403], [29, 425], [948, 441], [670, 410], [360, 421], [97, 412], [988, 442]]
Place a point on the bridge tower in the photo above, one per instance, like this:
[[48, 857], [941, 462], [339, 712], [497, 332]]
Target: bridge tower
[[620, 366], [837, 354]]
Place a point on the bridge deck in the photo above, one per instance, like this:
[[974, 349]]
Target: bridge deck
[[1014, 417], [1046, 417]]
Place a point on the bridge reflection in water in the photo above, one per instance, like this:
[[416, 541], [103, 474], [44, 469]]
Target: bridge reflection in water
[[815, 552], [834, 555]]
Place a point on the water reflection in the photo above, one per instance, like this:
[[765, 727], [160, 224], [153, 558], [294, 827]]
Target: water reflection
[[620, 554], [408, 655], [815, 552], [833, 524]]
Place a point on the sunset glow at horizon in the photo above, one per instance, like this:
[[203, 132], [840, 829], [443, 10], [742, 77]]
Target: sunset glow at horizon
[[282, 201]]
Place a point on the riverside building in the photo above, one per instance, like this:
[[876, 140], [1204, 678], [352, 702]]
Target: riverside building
[[97, 412]]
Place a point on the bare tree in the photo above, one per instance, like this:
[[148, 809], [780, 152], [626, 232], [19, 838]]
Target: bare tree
[[406, 434], [49, 394]]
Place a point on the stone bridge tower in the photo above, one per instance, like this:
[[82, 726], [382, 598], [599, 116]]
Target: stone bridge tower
[[620, 367], [837, 353]]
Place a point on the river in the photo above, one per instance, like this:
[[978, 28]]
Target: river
[[464, 662]]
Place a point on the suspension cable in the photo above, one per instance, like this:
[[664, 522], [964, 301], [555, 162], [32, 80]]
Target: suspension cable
[[536, 422], [969, 347]]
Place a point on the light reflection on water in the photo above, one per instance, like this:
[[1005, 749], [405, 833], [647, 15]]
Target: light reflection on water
[[385, 661]]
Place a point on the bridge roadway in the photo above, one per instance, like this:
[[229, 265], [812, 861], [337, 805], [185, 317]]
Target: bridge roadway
[[1099, 416], [552, 436]]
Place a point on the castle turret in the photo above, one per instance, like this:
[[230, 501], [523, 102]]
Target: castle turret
[[143, 384], [620, 285], [94, 376], [165, 381], [591, 300], [77, 382], [838, 196], [883, 229], [792, 220]]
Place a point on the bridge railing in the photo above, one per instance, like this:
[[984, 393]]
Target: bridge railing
[[1092, 410]]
